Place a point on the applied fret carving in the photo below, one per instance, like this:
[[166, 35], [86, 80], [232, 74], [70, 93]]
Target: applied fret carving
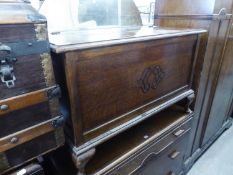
[[151, 78]]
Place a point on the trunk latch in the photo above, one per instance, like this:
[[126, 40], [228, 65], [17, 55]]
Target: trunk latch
[[6, 66]]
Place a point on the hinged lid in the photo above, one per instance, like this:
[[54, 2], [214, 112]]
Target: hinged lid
[[18, 11], [77, 39]]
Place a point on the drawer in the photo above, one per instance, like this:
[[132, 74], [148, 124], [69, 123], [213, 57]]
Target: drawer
[[163, 157], [23, 111], [168, 163]]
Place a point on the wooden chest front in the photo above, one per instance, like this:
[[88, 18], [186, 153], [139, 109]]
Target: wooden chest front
[[112, 84]]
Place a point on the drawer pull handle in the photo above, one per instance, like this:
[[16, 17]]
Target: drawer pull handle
[[174, 154], [179, 133], [14, 140], [4, 107], [171, 173]]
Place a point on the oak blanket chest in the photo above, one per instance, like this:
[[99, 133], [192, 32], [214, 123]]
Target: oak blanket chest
[[29, 112], [110, 82], [116, 78]]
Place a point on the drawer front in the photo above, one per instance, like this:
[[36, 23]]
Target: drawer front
[[170, 162], [30, 143], [163, 157], [109, 83], [26, 110]]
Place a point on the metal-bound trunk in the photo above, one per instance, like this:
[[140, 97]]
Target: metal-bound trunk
[[29, 113]]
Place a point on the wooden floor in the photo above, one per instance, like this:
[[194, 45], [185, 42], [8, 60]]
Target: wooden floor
[[218, 159]]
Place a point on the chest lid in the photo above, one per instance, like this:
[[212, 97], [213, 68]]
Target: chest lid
[[78, 39]]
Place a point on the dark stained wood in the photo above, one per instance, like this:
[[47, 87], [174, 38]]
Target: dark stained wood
[[60, 76], [126, 151], [25, 100], [152, 161], [27, 81], [212, 66], [223, 95], [202, 14], [186, 14], [24, 133], [113, 79], [117, 81], [199, 7], [21, 119], [199, 63], [31, 30], [132, 141], [65, 41], [24, 153], [14, 33], [21, 153], [207, 74], [105, 84]]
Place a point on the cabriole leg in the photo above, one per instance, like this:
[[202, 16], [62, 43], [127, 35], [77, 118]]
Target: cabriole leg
[[82, 159], [190, 100]]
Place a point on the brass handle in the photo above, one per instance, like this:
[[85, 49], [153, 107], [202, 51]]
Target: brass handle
[[174, 154], [4, 107], [178, 133]]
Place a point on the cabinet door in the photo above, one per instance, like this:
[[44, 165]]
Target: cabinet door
[[223, 95]]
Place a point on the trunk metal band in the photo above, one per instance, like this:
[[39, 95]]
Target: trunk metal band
[[29, 99], [28, 47]]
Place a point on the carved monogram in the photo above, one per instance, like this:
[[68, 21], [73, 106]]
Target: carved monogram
[[151, 77]]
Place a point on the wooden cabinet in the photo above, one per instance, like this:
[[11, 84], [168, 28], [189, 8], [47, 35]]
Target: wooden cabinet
[[214, 85], [222, 98]]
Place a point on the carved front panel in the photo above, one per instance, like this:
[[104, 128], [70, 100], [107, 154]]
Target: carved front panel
[[106, 84]]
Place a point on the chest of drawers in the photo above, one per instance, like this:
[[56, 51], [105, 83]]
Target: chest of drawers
[[155, 146]]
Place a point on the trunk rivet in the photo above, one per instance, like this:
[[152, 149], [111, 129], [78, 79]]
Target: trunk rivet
[[4, 107]]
